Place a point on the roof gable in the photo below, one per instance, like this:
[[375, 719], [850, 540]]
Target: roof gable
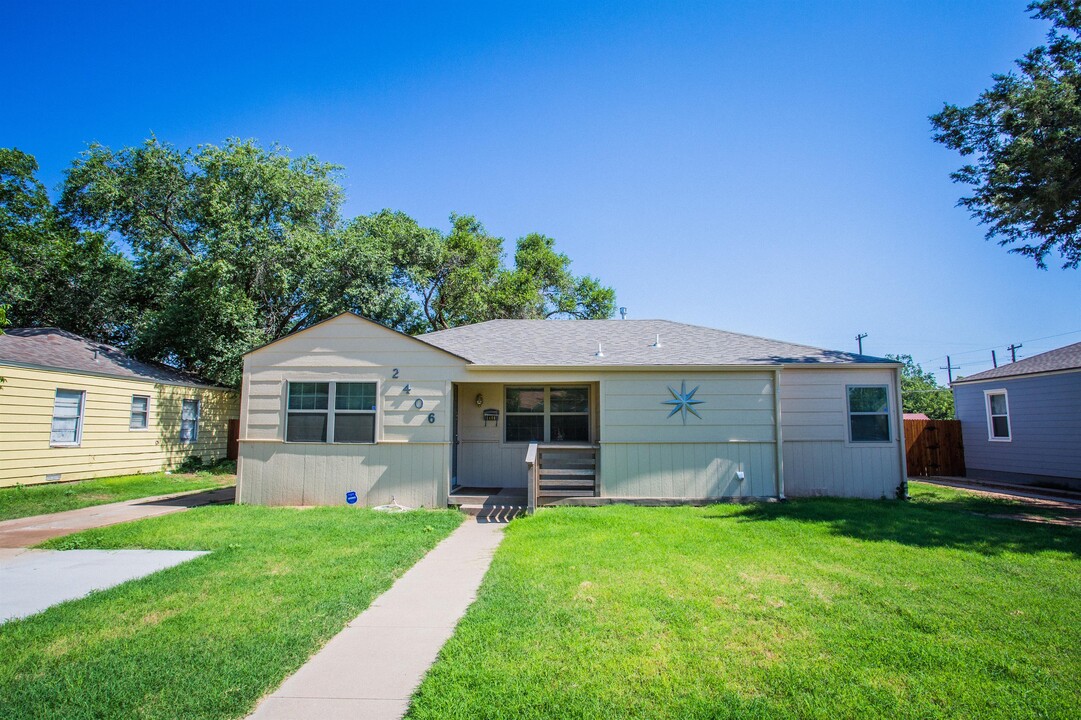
[[589, 343], [352, 317]]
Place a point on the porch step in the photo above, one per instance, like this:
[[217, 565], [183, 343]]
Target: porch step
[[493, 513]]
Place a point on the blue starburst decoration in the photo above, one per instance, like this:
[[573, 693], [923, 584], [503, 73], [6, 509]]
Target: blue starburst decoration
[[684, 401]]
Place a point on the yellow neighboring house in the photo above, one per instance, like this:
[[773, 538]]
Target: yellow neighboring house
[[72, 408]]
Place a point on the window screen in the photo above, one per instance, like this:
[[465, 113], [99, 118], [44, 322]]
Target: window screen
[[140, 411], [307, 416], [67, 427], [189, 422]]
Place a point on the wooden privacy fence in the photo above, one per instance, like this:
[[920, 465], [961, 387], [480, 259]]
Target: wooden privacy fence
[[934, 447], [232, 448]]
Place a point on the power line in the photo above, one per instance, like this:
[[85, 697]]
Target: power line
[[995, 347]]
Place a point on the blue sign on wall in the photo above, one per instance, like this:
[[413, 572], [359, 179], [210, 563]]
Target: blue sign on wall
[[351, 497]]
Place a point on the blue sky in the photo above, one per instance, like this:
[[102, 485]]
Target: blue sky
[[760, 167]]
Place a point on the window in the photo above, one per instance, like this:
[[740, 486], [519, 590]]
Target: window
[[547, 414], [140, 412], [67, 427], [189, 422], [525, 414], [310, 418], [354, 413], [869, 413], [998, 415]]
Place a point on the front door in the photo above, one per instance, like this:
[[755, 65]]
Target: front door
[[454, 439]]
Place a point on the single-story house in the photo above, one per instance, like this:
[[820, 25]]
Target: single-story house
[[1021, 422], [72, 408], [579, 411]]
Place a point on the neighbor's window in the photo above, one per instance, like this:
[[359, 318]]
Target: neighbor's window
[[869, 413], [67, 427], [547, 414], [140, 412], [998, 415], [310, 417], [189, 422]]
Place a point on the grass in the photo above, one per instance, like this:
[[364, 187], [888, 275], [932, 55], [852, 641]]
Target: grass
[[208, 638], [26, 500], [805, 609]]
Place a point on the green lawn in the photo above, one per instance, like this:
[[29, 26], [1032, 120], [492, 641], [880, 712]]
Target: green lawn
[[208, 638], [810, 609], [26, 500]]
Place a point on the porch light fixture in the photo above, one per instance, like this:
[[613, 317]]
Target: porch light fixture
[[480, 400]]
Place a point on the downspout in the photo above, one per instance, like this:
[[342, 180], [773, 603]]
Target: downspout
[[777, 438], [900, 420]]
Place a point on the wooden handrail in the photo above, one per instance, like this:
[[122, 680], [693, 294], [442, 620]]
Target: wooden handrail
[[531, 481]]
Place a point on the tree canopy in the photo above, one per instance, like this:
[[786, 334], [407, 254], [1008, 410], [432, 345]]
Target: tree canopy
[[193, 257], [1024, 138], [920, 391]]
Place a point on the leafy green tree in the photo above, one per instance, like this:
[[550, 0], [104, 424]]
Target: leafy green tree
[[921, 393], [1024, 137], [460, 278], [235, 246], [51, 274]]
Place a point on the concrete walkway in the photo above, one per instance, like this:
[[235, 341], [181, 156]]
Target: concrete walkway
[[371, 668], [24, 532], [33, 580]]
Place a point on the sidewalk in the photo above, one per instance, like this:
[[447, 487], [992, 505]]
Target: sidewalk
[[371, 668], [27, 531]]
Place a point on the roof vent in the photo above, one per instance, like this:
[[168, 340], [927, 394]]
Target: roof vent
[[623, 313], [657, 342], [600, 351]]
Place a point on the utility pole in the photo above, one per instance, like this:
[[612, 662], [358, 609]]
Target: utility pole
[[949, 368], [994, 360], [859, 339], [1013, 351]]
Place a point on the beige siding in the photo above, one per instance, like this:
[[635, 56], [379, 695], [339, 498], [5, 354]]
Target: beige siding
[[645, 453], [818, 458], [400, 463], [108, 446], [688, 470], [413, 474]]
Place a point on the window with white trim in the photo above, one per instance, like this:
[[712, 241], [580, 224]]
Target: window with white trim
[[189, 422], [998, 415], [310, 416], [547, 414], [140, 412], [868, 413], [67, 427]]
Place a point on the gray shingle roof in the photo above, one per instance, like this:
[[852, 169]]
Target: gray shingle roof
[[55, 348], [573, 343], [1064, 358]]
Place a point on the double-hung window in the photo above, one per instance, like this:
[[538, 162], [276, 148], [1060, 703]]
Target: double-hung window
[[140, 412], [67, 427], [311, 416], [998, 415], [547, 414], [189, 422], [868, 413]]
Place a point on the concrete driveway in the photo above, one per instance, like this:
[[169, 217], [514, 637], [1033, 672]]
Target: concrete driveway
[[24, 532], [33, 580]]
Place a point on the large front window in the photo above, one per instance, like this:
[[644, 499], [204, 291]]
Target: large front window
[[547, 414], [311, 417]]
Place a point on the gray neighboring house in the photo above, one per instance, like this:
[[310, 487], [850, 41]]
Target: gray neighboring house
[[1022, 422]]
